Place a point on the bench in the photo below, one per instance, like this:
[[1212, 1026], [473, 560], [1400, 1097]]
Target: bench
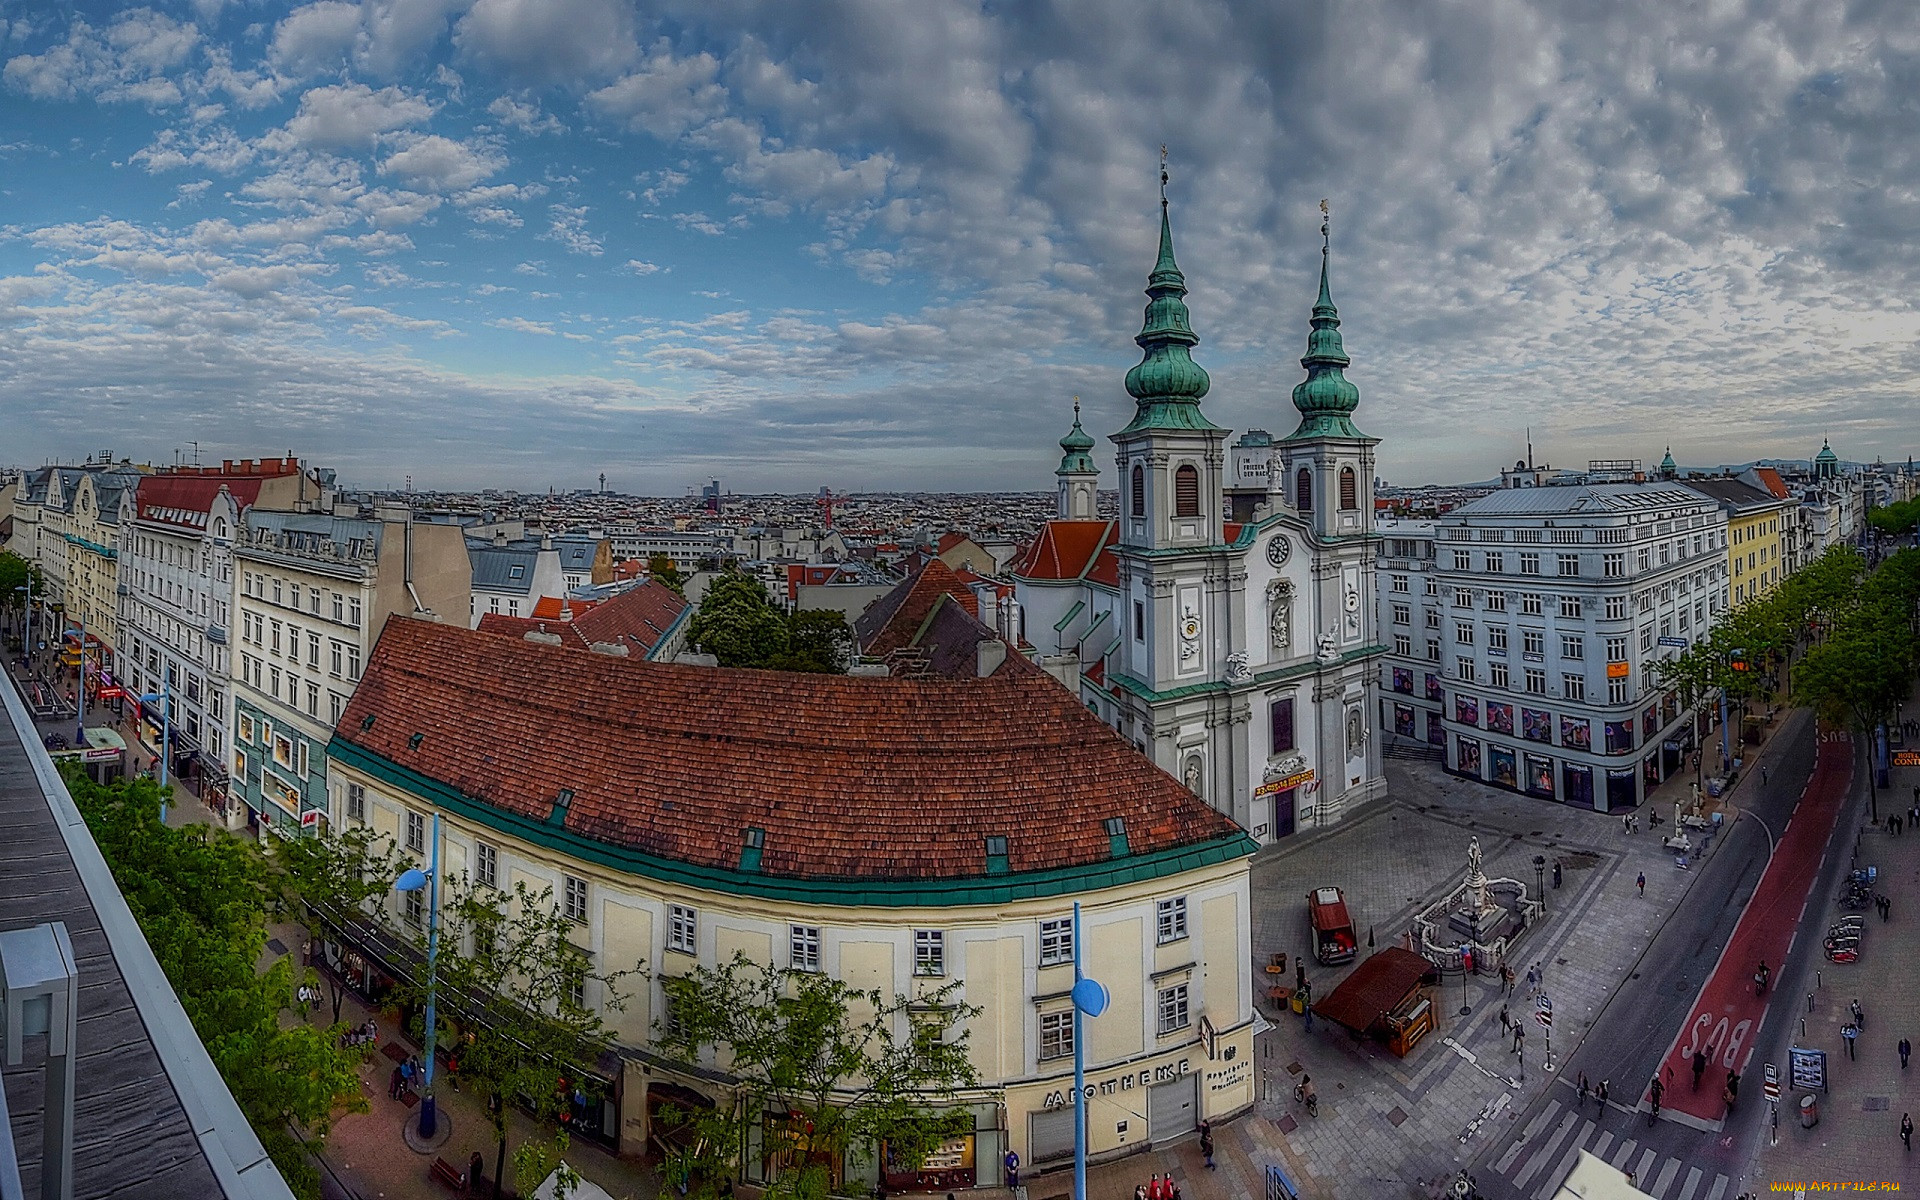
[[445, 1172]]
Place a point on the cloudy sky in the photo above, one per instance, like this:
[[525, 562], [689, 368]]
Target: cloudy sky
[[883, 245]]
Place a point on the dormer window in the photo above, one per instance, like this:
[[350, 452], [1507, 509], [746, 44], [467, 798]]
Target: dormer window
[[516, 572]]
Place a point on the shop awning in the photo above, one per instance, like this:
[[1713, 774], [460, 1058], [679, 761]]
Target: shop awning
[[1376, 988]]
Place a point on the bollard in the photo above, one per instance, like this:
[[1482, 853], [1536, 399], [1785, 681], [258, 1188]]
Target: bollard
[[1817, 981], [1809, 1001], [1803, 1027]]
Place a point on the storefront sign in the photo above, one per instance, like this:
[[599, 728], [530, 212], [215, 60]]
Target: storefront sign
[[1283, 784], [1619, 670], [1906, 758], [1058, 1098], [1232, 1075]]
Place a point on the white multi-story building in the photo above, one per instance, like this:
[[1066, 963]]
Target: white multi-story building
[[1523, 628], [176, 598]]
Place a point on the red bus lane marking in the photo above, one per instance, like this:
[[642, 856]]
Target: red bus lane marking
[[1727, 1014]]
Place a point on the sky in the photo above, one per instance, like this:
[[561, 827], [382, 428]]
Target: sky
[[883, 245]]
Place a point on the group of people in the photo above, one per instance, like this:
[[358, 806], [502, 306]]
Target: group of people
[[1597, 1091], [407, 1076], [1158, 1187]]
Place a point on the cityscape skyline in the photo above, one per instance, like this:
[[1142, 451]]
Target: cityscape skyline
[[535, 242]]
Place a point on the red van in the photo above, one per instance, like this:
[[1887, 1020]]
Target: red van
[[1333, 940]]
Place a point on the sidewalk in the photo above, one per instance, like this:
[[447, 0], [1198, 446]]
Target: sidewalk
[[1858, 1136]]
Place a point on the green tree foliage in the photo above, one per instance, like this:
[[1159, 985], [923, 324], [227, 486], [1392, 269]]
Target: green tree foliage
[[850, 1068], [1861, 669], [662, 570], [201, 896], [329, 879], [740, 625], [512, 981], [1896, 519]]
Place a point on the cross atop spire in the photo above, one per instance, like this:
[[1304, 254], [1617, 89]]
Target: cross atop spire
[[1163, 175]]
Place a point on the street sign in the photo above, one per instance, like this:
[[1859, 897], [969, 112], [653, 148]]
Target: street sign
[[1808, 1068], [1773, 1083], [1545, 1017], [1542, 1003], [1674, 641]]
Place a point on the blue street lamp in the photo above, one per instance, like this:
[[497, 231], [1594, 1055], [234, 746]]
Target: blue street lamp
[[412, 880], [164, 698], [1089, 1000], [80, 736]]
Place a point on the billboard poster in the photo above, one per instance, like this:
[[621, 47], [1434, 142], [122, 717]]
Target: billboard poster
[[1403, 723], [1501, 761], [1576, 733], [1540, 776], [1466, 710], [1468, 755], [1536, 726], [1499, 717], [1403, 681], [1619, 736]]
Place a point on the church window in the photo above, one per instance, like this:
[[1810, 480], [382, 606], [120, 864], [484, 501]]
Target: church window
[[1280, 718], [1303, 490], [1139, 491], [1349, 490], [1139, 621], [1186, 492]]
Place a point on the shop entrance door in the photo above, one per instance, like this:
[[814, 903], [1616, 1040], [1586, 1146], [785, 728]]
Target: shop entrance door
[[1283, 822], [1173, 1108]]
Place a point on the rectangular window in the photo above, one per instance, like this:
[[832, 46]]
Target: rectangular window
[[416, 833], [1646, 638], [1497, 675], [1056, 1035], [353, 612], [1617, 691], [1529, 562], [1616, 649], [1573, 687], [1402, 614], [575, 902], [1570, 607], [353, 663], [1530, 604], [1462, 560], [274, 644], [486, 865], [1463, 632], [356, 803], [1463, 597], [1572, 646], [1403, 645], [335, 702], [1433, 649], [1056, 941], [1616, 608], [1139, 621], [1496, 602], [313, 698], [1464, 668], [1433, 618], [276, 592], [929, 952], [302, 768], [1171, 919], [313, 650], [1533, 641], [1496, 562], [1497, 638], [1172, 1007], [336, 606], [1280, 725], [1536, 681], [1643, 558], [1614, 566], [1569, 564], [1399, 584], [1433, 586], [804, 945], [415, 905], [683, 927]]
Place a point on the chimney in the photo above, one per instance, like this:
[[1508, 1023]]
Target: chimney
[[989, 653], [499, 537], [541, 636], [617, 649]]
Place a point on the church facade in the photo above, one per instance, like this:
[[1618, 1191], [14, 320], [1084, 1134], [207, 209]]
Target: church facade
[[1241, 655]]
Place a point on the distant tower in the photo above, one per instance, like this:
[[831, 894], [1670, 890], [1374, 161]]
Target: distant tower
[[1079, 475], [1667, 468], [1826, 464], [603, 483]]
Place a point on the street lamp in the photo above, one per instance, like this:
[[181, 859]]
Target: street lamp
[[412, 880], [80, 702], [164, 698], [1540, 880], [1089, 1000]]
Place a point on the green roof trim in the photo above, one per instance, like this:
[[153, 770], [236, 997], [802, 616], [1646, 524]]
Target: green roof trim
[[842, 893], [1073, 612]]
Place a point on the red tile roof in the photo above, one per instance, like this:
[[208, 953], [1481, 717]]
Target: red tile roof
[[636, 618], [560, 608], [1106, 568], [163, 497], [1774, 484], [894, 619], [850, 778], [1063, 550]]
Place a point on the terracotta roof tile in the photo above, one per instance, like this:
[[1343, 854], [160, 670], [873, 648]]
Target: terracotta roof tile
[[160, 496], [894, 619], [1064, 550], [849, 777]]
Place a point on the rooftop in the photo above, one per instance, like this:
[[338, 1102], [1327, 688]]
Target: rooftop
[[1589, 499], [152, 1117], [668, 770]]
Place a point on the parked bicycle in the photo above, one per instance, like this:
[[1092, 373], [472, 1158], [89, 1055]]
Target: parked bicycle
[[1304, 1093]]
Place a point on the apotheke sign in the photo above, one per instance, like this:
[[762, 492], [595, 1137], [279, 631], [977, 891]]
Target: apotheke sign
[[1122, 1083]]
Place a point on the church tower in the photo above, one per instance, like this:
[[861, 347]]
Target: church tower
[[1079, 475], [1826, 464]]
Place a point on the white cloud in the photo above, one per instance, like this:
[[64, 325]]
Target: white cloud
[[353, 115], [549, 41], [665, 96], [640, 267], [398, 32], [315, 37], [255, 282], [385, 209], [522, 325], [524, 117], [127, 61], [441, 164], [569, 228]]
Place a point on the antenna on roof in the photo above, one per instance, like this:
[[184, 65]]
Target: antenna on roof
[[1529, 447]]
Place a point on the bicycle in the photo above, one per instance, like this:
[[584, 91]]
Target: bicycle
[[1304, 1093]]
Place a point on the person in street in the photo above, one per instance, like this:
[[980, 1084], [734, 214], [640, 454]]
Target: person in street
[[1206, 1143], [1906, 1049], [1012, 1163], [1733, 1087], [1760, 979], [1139, 1191], [394, 1083], [1655, 1090], [1699, 1067], [1583, 1091], [1641, 883], [476, 1172], [1906, 1130], [1601, 1096], [1763, 774], [1556, 876], [1859, 1014], [1506, 979], [1519, 1036], [1506, 1022], [1851, 1032]]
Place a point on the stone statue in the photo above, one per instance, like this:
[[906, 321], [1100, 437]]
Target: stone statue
[[1280, 615], [1238, 668], [1328, 652], [1192, 774], [1356, 733]]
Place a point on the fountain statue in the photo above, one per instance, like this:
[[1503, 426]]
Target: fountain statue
[[1479, 914]]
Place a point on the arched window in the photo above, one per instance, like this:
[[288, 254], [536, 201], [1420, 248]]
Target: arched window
[[1139, 491], [1349, 490], [1186, 492], [1303, 490]]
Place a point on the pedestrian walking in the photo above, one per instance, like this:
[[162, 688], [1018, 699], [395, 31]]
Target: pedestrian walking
[[1206, 1143], [1906, 1050], [1583, 1091], [1601, 1095], [1886, 909], [1763, 774], [1556, 875], [1699, 1067], [1906, 1129], [1642, 884], [1852, 1033], [1655, 1090], [1506, 1022], [1533, 979], [394, 1082], [1519, 1036], [1506, 979]]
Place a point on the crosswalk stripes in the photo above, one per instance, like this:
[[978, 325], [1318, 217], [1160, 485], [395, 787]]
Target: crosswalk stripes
[[1544, 1153]]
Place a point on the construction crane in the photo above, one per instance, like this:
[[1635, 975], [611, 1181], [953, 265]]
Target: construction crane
[[826, 502]]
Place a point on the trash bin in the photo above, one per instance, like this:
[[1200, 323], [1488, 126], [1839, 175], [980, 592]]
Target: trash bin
[[1299, 1001], [1809, 1112]]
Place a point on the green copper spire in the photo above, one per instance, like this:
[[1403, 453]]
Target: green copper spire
[[1076, 459], [1326, 399], [1167, 384], [1667, 465]]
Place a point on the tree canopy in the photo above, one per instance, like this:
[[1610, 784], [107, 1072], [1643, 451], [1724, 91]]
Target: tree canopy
[[739, 624], [847, 1068], [201, 896], [662, 570]]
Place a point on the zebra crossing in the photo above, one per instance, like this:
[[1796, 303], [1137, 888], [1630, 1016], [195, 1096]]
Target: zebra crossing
[[1546, 1149]]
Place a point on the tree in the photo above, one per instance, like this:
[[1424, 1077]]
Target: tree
[[513, 1009], [329, 879], [818, 640], [737, 622], [663, 571], [201, 896], [849, 1068]]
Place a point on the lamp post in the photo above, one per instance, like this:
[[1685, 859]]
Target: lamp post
[[1089, 1000], [28, 636], [164, 698], [80, 694], [412, 880], [1540, 880]]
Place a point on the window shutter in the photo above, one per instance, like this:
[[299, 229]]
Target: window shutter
[[1303, 490], [1139, 491], [1186, 492], [1349, 490]]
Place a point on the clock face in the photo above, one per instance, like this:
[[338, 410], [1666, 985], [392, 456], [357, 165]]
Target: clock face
[[1279, 550]]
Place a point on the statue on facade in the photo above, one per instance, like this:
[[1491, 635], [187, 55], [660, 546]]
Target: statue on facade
[[1280, 614], [1238, 667], [1192, 774], [1356, 733]]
